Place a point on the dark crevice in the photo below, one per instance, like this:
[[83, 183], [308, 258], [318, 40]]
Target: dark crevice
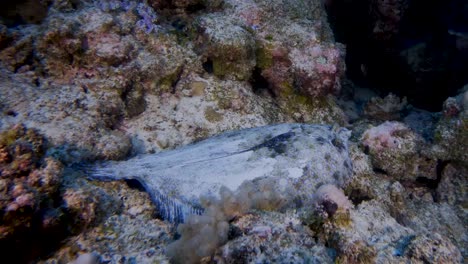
[[29, 60], [5, 41], [426, 182], [135, 184], [19, 12], [411, 48], [433, 183], [134, 100], [260, 85], [34, 243], [208, 66], [11, 113], [37, 82], [366, 150], [400, 217], [440, 167], [125, 93], [195, 8], [74, 5], [358, 196], [179, 24], [234, 232], [177, 79], [379, 171]]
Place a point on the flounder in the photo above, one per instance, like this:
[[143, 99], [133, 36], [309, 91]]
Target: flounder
[[308, 155]]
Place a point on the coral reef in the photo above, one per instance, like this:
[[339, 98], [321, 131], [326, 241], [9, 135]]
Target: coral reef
[[124, 228], [95, 81], [228, 47], [452, 186], [110, 70], [451, 130], [29, 189], [433, 249], [388, 108], [399, 152], [38, 199], [405, 204], [271, 237]]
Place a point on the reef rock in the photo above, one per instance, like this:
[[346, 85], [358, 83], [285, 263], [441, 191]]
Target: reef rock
[[272, 238], [399, 151], [452, 129]]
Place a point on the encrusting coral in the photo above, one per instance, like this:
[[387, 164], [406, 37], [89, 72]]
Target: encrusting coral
[[34, 200], [398, 151], [29, 185]]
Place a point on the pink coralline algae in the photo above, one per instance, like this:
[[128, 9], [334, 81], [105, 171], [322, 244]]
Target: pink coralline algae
[[314, 70], [29, 194], [318, 69], [399, 152], [384, 136]]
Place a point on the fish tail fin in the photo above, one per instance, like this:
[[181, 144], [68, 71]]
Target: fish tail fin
[[104, 170], [174, 210]]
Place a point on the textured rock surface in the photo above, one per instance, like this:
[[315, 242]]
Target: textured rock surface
[[98, 77], [272, 237], [28, 194], [37, 199], [388, 108], [125, 232], [452, 128], [398, 151], [406, 204]]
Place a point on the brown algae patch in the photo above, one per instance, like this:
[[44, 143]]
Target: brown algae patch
[[212, 116]]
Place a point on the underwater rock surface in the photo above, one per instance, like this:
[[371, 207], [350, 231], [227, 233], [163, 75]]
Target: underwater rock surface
[[311, 155]]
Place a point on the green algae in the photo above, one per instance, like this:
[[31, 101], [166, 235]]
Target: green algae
[[167, 82], [323, 108], [212, 116], [264, 56], [8, 137]]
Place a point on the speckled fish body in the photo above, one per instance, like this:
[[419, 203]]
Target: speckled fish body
[[176, 179]]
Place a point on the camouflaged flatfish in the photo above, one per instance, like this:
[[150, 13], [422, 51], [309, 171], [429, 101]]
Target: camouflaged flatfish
[[309, 154]]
